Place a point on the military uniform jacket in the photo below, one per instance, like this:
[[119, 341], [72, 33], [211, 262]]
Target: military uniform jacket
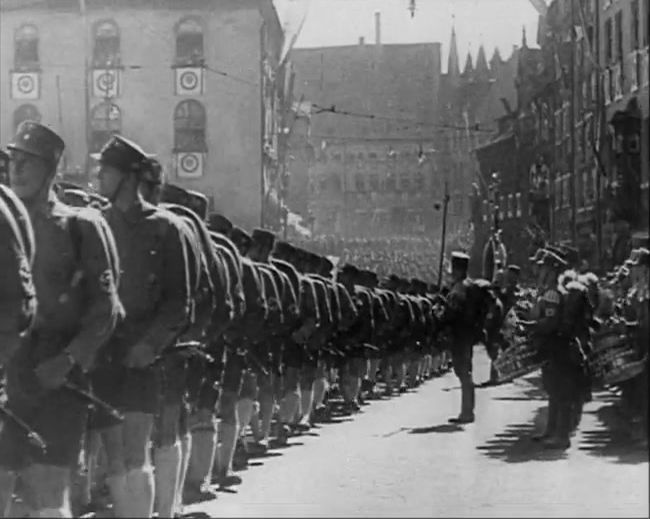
[[155, 286], [78, 305], [17, 292]]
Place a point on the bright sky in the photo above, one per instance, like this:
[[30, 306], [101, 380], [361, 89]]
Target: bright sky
[[493, 23]]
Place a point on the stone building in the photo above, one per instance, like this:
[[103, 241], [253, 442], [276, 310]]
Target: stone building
[[198, 82], [375, 131]]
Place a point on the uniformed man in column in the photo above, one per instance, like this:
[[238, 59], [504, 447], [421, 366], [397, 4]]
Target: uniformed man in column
[[78, 309], [157, 297]]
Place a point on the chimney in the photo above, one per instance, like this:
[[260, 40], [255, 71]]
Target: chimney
[[377, 27], [362, 41]]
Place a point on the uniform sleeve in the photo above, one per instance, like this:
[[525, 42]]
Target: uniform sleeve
[[224, 306], [173, 312], [103, 307], [17, 292], [349, 312]]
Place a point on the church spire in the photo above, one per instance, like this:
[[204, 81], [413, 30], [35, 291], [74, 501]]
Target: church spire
[[453, 69], [524, 43], [481, 70], [469, 69]]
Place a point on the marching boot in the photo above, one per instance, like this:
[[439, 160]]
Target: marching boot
[[228, 436], [117, 487], [186, 451], [199, 471], [306, 403], [266, 413], [467, 405], [560, 440], [319, 388], [245, 407], [167, 470], [140, 488], [551, 421]]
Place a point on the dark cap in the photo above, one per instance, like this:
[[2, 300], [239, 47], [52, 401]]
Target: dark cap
[[514, 268], [418, 286], [241, 239], [325, 266], [284, 250], [198, 203], [219, 223], [151, 171], [36, 139], [174, 194], [123, 154], [349, 270], [263, 238], [459, 260], [367, 278]]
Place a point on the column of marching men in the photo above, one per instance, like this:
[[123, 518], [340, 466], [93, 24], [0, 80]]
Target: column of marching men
[[141, 338]]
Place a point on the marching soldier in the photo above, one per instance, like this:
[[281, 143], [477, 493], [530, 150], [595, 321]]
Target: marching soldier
[[156, 293], [76, 285]]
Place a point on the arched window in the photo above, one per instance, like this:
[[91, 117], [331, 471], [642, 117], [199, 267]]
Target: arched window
[[105, 121], [106, 50], [26, 48], [189, 126], [26, 113], [189, 42]]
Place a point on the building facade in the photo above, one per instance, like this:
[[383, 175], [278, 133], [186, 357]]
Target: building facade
[[579, 133], [192, 81], [375, 131]]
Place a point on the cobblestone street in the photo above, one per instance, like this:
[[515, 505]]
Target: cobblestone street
[[400, 457]]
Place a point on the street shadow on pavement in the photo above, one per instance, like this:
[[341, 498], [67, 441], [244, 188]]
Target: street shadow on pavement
[[442, 428], [515, 444], [611, 438]]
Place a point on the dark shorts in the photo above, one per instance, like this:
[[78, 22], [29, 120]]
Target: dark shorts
[[292, 355], [173, 379], [59, 417], [127, 389]]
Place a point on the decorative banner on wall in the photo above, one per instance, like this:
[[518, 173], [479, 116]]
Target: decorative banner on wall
[[189, 165], [106, 83], [189, 81], [25, 85]]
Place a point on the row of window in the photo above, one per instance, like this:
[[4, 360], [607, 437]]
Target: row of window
[[189, 124], [372, 183], [614, 28], [509, 206], [106, 50]]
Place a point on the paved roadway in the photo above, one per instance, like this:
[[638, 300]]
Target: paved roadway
[[400, 458]]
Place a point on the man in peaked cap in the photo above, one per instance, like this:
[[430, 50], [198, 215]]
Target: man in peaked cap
[[463, 334], [157, 296], [63, 345]]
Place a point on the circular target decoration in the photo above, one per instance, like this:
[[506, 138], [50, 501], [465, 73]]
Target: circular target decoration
[[189, 80], [25, 84], [189, 163], [105, 81]]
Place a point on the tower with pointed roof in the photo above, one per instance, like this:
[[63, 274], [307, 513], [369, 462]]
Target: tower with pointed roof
[[481, 71], [453, 68], [468, 70]]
